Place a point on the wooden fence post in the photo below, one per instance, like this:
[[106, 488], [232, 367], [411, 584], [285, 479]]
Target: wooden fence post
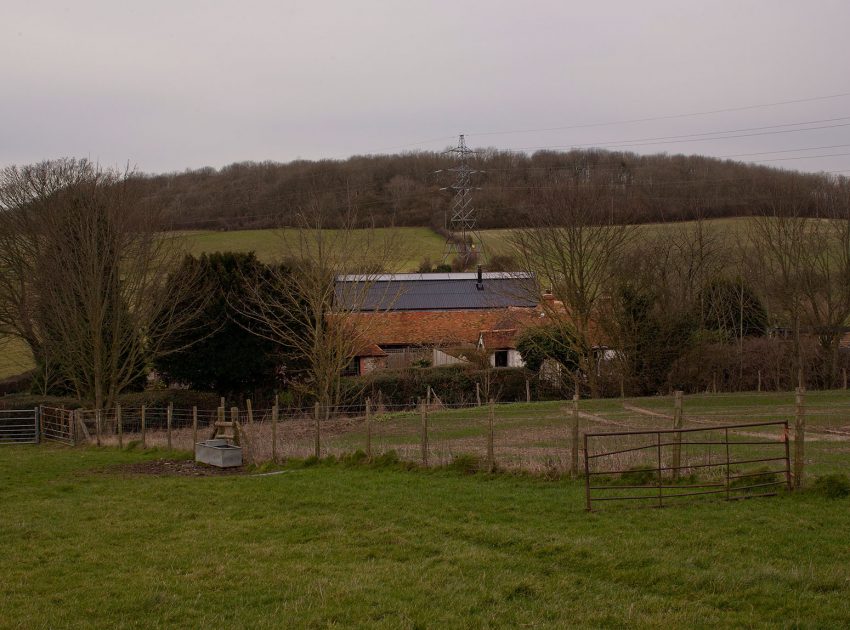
[[527, 391], [168, 415], [318, 451], [677, 437], [368, 428], [424, 437], [234, 425], [194, 427], [119, 422], [758, 388], [274, 429], [72, 429], [143, 427], [250, 410], [491, 451], [574, 438], [799, 437], [844, 377], [477, 394], [97, 427]]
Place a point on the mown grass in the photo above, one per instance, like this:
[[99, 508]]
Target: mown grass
[[329, 545]]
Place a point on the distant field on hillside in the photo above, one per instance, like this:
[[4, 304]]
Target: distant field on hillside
[[415, 242], [15, 357]]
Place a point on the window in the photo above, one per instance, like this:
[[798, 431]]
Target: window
[[500, 358]]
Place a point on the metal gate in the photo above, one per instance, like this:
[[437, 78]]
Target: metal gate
[[735, 461], [18, 426], [58, 425]]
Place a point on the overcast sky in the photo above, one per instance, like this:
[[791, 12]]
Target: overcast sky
[[170, 85]]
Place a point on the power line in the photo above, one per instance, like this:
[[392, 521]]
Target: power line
[[666, 117], [697, 137]]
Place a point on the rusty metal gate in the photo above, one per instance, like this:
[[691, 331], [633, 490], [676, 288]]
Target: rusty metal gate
[[18, 426], [58, 425], [737, 461]]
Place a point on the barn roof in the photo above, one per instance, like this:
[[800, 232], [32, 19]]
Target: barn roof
[[436, 291]]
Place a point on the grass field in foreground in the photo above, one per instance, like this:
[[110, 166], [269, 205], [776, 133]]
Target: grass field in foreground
[[331, 546]]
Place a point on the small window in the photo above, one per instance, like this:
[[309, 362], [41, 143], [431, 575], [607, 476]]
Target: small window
[[501, 358]]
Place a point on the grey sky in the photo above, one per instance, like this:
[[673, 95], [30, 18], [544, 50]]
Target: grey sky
[[185, 84]]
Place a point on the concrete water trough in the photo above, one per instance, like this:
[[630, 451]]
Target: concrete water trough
[[218, 453]]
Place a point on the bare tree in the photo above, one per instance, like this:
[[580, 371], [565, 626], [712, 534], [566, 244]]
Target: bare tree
[[572, 244], [778, 239], [25, 194], [313, 305], [97, 297]]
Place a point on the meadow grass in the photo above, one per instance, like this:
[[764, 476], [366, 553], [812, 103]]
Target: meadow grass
[[15, 357], [414, 243], [85, 545]]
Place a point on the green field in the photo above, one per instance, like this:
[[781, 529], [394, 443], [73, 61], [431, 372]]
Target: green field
[[414, 244], [88, 544], [15, 357]]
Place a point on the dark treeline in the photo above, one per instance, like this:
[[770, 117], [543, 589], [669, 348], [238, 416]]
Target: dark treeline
[[404, 189]]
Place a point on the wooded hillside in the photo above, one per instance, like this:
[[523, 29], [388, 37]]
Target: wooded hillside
[[405, 189]]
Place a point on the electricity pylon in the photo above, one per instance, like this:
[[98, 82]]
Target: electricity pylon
[[464, 239]]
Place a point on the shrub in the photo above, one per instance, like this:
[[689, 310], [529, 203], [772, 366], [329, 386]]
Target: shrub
[[454, 384], [466, 463], [835, 486], [386, 460], [756, 477], [638, 476]]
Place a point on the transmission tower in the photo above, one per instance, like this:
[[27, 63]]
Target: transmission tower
[[464, 239]]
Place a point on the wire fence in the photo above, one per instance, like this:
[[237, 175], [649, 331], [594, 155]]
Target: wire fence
[[546, 439]]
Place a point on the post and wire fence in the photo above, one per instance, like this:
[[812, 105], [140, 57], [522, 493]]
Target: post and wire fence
[[554, 440]]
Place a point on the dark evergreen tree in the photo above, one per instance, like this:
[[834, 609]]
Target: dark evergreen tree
[[222, 351]]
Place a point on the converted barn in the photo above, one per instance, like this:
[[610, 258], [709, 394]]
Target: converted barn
[[429, 318]]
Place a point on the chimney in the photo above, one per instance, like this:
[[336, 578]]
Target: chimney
[[480, 284]]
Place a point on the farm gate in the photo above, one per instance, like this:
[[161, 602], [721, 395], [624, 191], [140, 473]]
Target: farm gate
[[733, 461], [18, 426], [57, 425]]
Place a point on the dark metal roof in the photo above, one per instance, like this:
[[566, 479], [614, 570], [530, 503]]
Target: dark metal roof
[[436, 291]]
